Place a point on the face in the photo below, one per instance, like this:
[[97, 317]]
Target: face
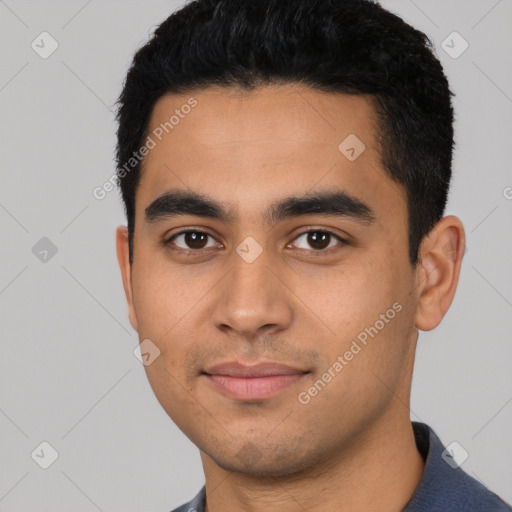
[[273, 277]]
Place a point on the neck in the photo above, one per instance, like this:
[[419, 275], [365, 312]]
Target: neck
[[379, 471]]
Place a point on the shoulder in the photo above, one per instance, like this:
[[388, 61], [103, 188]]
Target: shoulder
[[195, 505], [444, 485]]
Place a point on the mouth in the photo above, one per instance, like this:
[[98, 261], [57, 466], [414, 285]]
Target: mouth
[[252, 383]]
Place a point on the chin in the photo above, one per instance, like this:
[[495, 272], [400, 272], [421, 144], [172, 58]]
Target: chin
[[265, 462]]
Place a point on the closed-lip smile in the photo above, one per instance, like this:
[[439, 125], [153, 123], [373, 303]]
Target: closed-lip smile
[[254, 382]]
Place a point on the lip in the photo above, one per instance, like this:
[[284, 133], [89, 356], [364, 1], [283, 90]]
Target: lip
[[252, 383]]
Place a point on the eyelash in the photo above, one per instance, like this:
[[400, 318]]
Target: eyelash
[[194, 252]]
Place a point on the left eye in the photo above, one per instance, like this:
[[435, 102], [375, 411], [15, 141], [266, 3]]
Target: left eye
[[318, 239]]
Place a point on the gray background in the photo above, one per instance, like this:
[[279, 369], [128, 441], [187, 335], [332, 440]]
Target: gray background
[[68, 375]]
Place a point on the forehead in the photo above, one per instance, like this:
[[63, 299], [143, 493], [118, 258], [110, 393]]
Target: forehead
[[248, 148]]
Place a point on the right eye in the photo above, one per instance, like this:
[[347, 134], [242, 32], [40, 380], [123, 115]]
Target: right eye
[[190, 240]]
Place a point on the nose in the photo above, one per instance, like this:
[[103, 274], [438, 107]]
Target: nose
[[252, 298]]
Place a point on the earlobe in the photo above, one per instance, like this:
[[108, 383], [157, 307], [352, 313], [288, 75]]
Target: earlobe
[[441, 254], [123, 257]]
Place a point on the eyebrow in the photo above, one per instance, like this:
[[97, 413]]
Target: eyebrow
[[337, 204]]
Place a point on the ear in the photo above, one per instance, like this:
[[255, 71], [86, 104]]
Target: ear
[[440, 260], [123, 257]]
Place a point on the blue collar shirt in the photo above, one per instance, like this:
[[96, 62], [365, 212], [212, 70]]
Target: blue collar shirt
[[444, 486]]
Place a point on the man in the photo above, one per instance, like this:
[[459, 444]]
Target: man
[[284, 168]]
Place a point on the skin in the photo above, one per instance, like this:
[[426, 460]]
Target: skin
[[351, 447]]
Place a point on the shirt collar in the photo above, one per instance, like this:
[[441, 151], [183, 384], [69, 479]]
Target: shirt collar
[[443, 483]]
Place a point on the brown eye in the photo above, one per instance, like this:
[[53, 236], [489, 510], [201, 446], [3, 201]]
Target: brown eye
[[191, 240], [317, 239]]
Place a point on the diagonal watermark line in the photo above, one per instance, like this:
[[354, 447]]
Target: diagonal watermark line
[[492, 211], [74, 218], [198, 402], [13, 279], [287, 492], [293, 270], [407, 406], [492, 81], [14, 485], [102, 397], [479, 479], [424, 13], [75, 15], [88, 497], [280, 423], [197, 302], [14, 423], [188, 188], [318, 181], [502, 296], [14, 14], [176, 176], [295, 295], [304, 99], [96, 300], [209, 492], [486, 14], [501, 409], [14, 76], [13, 217], [87, 87]]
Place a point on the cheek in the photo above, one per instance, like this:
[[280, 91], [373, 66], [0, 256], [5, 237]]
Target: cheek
[[174, 393], [165, 295], [365, 368], [368, 312], [171, 308], [356, 295]]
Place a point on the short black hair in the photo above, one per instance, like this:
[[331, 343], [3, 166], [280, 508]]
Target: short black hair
[[345, 46]]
